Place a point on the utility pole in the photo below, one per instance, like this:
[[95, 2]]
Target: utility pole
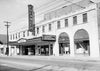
[[7, 25]]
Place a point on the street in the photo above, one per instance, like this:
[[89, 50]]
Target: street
[[6, 68], [34, 63]]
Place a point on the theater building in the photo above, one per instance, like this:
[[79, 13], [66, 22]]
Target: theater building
[[64, 29]]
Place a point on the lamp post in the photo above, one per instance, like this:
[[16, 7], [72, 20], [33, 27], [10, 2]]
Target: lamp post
[[7, 25]]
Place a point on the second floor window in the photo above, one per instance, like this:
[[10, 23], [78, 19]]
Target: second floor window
[[13, 37], [16, 36], [27, 33], [84, 17], [43, 29], [23, 33], [49, 27], [58, 25], [19, 35], [66, 22], [10, 37], [37, 30], [74, 20]]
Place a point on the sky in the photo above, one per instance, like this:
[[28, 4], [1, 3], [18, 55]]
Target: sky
[[15, 11]]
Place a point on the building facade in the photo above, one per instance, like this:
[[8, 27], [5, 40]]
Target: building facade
[[64, 29], [3, 44]]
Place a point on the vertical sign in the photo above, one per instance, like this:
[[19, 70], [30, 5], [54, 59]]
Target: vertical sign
[[31, 17]]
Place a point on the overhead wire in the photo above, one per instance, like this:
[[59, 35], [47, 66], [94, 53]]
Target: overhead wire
[[22, 16], [47, 10]]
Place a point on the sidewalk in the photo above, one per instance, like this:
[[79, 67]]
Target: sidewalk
[[75, 58]]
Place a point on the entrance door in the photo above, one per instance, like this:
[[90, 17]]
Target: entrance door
[[64, 44], [64, 48], [45, 50]]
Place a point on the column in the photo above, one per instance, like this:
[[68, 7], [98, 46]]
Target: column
[[36, 50], [72, 48], [15, 49], [10, 51], [94, 45], [5, 50], [49, 49], [20, 50], [56, 48]]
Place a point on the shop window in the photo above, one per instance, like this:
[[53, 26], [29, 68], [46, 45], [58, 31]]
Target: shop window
[[66, 22], [43, 29], [58, 25], [49, 27], [74, 20], [85, 18]]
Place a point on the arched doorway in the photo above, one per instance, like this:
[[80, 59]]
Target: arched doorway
[[64, 44], [81, 41]]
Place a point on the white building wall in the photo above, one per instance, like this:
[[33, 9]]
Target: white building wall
[[91, 27]]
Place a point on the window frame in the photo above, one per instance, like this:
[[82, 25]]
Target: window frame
[[85, 19], [49, 26], [19, 34], [37, 30], [75, 20], [16, 36], [58, 24], [66, 22], [27, 32], [13, 37], [10, 37], [43, 28], [23, 33]]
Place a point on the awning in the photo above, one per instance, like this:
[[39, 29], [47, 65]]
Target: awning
[[81, 39], [45, 39]]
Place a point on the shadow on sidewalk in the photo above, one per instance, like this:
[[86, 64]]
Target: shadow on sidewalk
[[39, 68]]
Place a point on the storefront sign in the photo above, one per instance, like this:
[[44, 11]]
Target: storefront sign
[[31, 19], [37, 39], [49, 37], [21, 40]]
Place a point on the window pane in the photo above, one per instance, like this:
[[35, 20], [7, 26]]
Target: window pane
[[85, 17], [23, 33], [13, 36], [74, 20], [27, 33], [16, 36], [19, 35], [58, 25], [37, 30], [10, 37], [49, 27], [66, 22], [43, 28]]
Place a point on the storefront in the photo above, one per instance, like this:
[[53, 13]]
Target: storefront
[[2, 49], [36, 46], [64, 44], [82, 44]]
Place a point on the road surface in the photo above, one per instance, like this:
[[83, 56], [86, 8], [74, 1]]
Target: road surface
[[33, 63]]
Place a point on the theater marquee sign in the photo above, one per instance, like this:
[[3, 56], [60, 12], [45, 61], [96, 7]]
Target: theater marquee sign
[[21, 40], [49, 38]]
